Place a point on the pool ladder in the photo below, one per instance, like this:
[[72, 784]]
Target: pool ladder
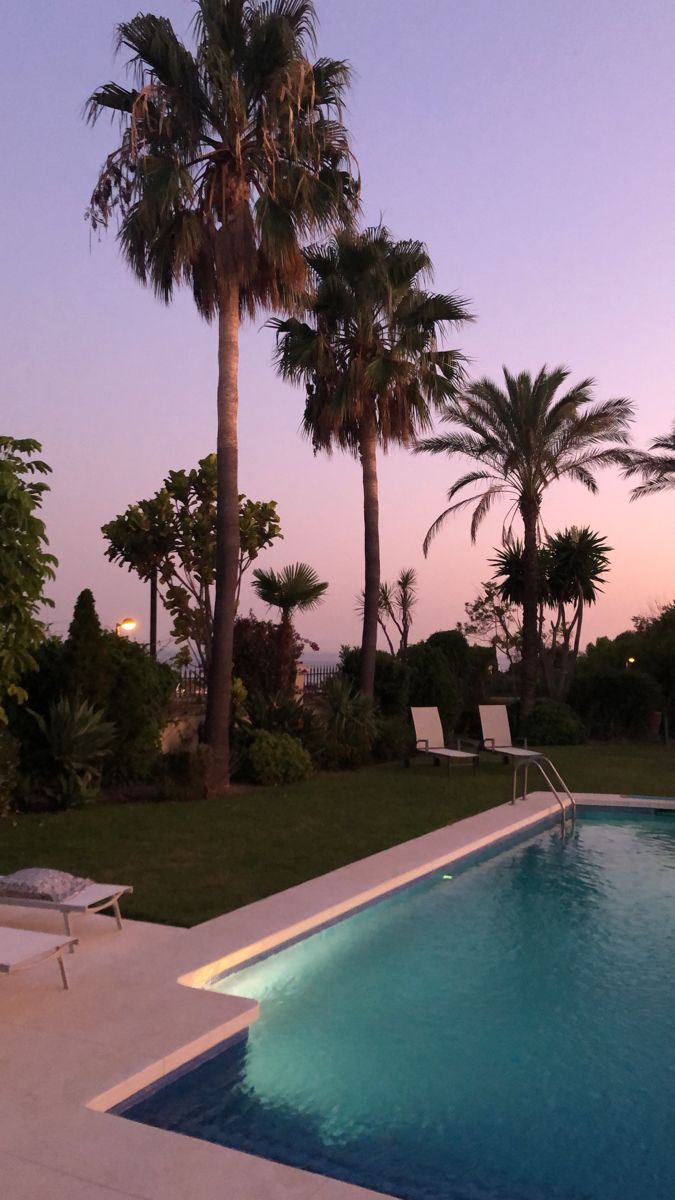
[[561, 786]]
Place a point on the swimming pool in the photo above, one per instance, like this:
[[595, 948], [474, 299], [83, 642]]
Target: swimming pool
[[502, 1030]]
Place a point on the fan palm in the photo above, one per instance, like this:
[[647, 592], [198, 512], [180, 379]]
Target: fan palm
[[656, 466], [523, 438], [232, 153], [296, 588], [373, 370]]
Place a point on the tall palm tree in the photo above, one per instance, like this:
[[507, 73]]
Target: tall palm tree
[[369, 356], [656, 466], [232, 153], [523, 438], [296, 588]]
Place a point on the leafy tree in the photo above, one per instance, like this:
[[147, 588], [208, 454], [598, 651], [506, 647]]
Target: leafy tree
[[656, 466], [25, 565], [495, 621], [232, 151], [571, 567], [522, 439], [296, 588], [369, 357], [85, 666], [172, 536]]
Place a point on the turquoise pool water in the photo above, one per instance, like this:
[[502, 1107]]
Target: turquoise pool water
[[505, 1034]]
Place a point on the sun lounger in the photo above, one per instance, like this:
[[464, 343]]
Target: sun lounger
[[497, 739], [88, 897], [23, 948], [430, 739]]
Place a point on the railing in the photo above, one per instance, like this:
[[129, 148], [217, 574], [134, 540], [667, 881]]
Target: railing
[[316, 678], [191, 684]]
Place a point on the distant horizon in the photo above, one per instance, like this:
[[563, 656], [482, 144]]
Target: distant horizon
[[525, 145]]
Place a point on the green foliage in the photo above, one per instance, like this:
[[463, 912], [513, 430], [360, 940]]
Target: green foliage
[[85, 653], [138, 695], [78, 740], [257, 655], [433, 682], [297, 588], [9, 770], [348, 722], [275, 758], [395, 739], [391, 678], [173, 534], [615, 703], [552, 723], [25, 566]]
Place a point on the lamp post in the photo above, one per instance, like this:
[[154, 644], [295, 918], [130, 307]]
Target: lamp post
[[630, 662], [126, 625]]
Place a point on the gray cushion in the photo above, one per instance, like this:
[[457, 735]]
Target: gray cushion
[[41, 883]]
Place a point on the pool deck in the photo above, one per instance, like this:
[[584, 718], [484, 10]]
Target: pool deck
[[137, 1010]]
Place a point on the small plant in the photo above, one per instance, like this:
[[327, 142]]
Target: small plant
[[78, 739], [275, 758], [349, 724]]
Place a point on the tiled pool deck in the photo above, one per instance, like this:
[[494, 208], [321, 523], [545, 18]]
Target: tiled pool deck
[[137, 1011]]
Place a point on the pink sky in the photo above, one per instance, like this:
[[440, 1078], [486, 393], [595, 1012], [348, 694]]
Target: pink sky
[[529, 145]]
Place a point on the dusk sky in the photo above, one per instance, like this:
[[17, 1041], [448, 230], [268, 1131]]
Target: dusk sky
[[528, 144]]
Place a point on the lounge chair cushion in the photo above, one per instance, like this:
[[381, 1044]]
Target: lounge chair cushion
[[41, 883]]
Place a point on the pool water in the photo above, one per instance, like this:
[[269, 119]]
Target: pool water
[[504, 1034]]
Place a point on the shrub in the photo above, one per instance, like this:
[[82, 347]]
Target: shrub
[[9, 770], [139, 695], [348, 723], [275, 758], [78, 740], [552, 723], [391, 678], [256, 654], [395, 739], [615, 703], [432, 682]]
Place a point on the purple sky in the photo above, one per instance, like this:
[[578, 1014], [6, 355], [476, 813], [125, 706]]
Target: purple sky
[[530, 145]]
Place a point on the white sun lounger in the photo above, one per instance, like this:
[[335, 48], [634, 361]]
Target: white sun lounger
[[430, 740], [494, 720], [93, 898], [23, 948]]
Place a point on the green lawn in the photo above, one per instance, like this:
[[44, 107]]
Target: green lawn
[[191, 861]]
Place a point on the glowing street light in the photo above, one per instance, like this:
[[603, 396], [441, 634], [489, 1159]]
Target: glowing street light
[[126, 625], [630, 661]]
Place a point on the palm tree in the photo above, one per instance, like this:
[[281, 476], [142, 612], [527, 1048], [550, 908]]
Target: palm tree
[[232, 152], [523, 438], [295, 589], [657, 469], [572, 567], [369, 357]]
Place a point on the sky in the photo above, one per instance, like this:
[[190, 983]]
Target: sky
[[529, 145]]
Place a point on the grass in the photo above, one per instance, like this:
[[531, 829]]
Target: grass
[[194, 860]]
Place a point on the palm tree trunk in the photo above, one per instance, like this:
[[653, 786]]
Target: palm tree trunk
[[371, 524], [227, 545], [530, 642]]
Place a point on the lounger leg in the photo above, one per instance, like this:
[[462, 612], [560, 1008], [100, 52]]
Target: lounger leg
[[513, 797], [66, 922], [525, 784], [116, 910], [62, 968]]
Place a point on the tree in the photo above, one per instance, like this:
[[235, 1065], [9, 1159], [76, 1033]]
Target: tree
[[231, 153], [296, 588], [85, 668], [522, 439], [656, 466], [571, 568], [172, 538], [396, 604], [25, 565], [495, 621], [369, 358]]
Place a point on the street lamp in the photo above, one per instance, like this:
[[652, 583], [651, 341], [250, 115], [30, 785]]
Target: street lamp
[[126, 625], [630, 661]]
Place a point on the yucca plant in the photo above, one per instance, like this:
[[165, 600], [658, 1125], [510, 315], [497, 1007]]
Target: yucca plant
[[349, 723], [79, 739]]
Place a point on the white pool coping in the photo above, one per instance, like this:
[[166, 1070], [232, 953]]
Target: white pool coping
[[137, 1010]]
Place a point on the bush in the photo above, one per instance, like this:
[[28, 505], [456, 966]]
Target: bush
[[78, 740], [348, 723], [615, 703], [391, 679], [395, 739], [432, 682], [256, 654], [552, 723], [9, 770], [138, 699], [275, 758]]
